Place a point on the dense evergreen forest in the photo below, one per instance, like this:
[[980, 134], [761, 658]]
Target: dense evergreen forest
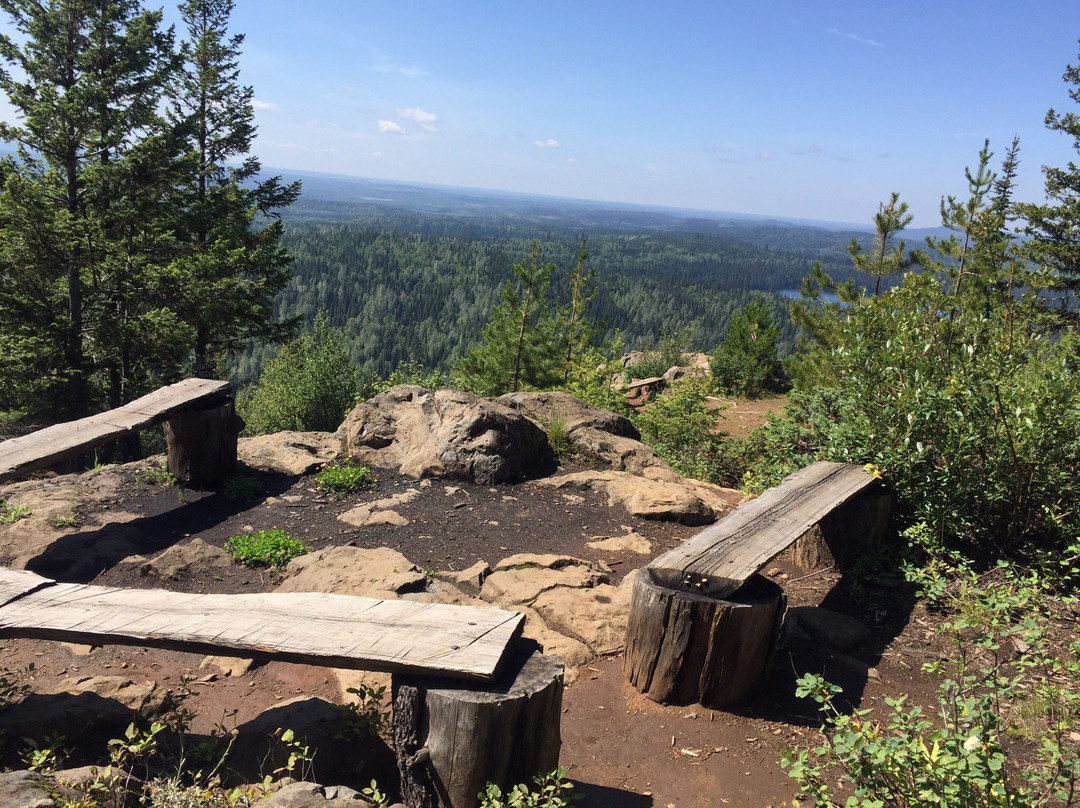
[[409, 284]]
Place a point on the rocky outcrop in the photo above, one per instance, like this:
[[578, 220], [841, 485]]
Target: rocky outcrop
[[445, 433], [649, 499], [292, 453], [345, 570]]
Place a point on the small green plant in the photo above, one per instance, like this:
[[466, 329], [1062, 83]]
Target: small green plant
[[558, 435], [61, 521], [365, 717], [549, 790], [157, 475], [345, 479], [240, 488], [10, 514], [265, 548], [375, 796], [298, 764]]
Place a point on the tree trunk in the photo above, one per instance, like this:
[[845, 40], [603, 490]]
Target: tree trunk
[[682, 647], [453, 737], [202, 444], [850, 531]]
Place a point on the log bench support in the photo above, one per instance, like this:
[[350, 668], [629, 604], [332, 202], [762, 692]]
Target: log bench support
[[703, 623], [202, 443], [452, 738]]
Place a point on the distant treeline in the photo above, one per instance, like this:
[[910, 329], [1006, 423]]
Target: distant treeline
[[420, 286]]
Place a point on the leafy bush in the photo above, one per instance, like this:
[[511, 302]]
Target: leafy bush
[[264, 548], [238, 488], [12, 513], [547, 791], [407, 372], [673, 351], [1002, 678], [682, 430], [365, 717], [309, 385], [345, 479], [745, 364]]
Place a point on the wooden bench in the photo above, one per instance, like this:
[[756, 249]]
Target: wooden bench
[[200, 426], [703, 623], [464, 685]]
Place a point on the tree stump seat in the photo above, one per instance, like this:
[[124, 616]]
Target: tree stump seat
[[703, 623]]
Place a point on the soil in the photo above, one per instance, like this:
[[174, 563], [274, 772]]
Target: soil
[[624, 750]]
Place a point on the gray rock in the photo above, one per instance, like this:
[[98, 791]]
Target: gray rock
[[344, 570], [180, 560], [312, 795], [445, 433], [649, 499], [24, 790]]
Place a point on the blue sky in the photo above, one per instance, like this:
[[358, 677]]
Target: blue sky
[[815, 110]]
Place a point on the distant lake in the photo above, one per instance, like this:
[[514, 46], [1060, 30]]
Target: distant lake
[[793, 294]]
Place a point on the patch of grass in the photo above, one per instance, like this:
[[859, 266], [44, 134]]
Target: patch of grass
[[12, 513], [61, 521], [239, 488], [559, 436], [265, 548], [157, 475], [345, 479]]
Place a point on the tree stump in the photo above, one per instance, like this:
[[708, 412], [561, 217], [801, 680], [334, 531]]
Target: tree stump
[[453, 737], [683, 647], [850, 531], [202, 444]]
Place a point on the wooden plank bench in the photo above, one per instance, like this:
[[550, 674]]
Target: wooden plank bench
[[703, 623], [201, 430], [464, 684]]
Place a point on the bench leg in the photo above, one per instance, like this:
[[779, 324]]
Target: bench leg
[[453, 738], [202, 444], [682, 647]]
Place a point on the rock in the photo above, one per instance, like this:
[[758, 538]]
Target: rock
[[344, 570], [380, 511], [180, 560], [813, 626], [474, 576], [229, 666], [123, 789], [312, 795], [293, 453], [519, 580], [24, 790], [574, 414], [629, 542], [649, 499], [147, 697], [595, 616], [445, 433]]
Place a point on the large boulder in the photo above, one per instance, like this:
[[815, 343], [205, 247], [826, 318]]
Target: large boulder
[[292, 453], [600, 435], [650, 499], [445, 433]]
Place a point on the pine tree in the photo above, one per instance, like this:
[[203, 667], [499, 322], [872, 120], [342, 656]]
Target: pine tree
[[1054, 228], [746, 361], [76, 302], [521, 346], [232, 265], [885, 256]]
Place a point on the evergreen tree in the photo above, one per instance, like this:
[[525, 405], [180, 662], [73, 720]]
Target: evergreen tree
[[76, 291], [1054, 227], [521, 346], [231, 265], [885, 256], [746, 361]]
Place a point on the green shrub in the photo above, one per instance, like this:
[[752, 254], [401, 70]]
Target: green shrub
[[239, 488], [309, 385], [407, 372], [264, 548], [12, 513], [345, 479], [549, 790], [1002, 678], [746, 363], [157, 475]]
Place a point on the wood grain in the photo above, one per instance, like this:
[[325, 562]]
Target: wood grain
[[722, 557], [340, 631], [54, 444]]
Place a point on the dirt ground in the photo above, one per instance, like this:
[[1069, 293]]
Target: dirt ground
[[624, 750]]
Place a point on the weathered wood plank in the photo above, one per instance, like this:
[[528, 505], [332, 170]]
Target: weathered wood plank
[[54, 444], [336, 630], [723, 556], [16, 583]]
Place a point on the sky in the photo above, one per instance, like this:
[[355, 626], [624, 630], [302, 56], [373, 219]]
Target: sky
[[815, 110]]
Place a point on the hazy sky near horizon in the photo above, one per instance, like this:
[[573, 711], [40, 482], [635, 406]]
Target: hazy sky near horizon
[[816, 110]]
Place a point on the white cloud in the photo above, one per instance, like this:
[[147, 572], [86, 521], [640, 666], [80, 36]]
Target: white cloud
[[427, 120], [390, 128], [264, 105], [411, 72], [550, 143], [855, 37], [764, 156]]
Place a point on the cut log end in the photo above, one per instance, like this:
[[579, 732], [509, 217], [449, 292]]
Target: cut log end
[[452, 738], [202, 444], [683, 647]]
